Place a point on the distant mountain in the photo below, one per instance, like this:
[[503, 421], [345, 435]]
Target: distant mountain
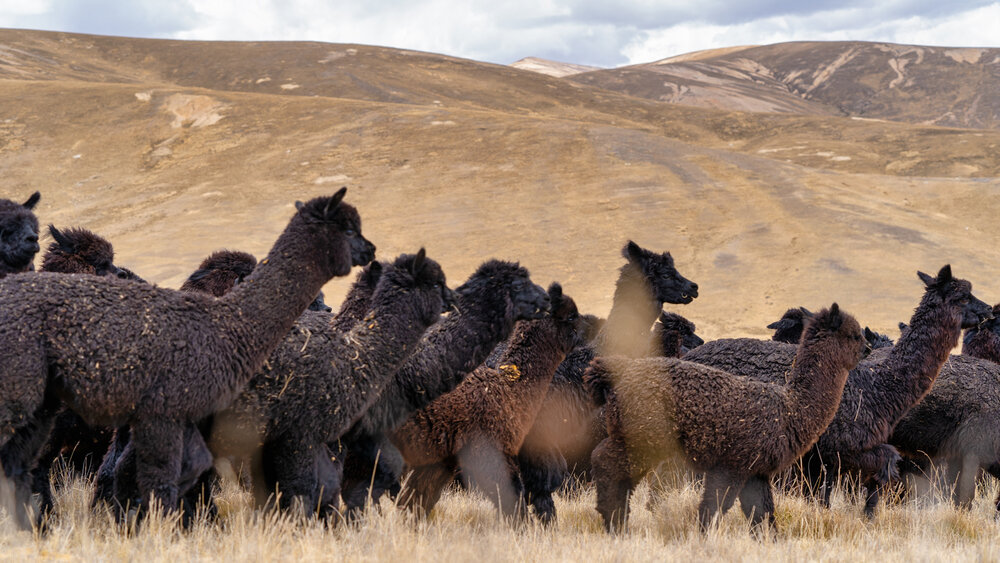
[[956, 87], [551, 68]]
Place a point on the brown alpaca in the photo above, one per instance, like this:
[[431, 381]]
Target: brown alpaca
[[479, 426], [220, 272], [736, 430]]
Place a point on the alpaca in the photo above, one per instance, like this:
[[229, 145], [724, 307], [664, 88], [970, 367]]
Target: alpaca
[[878, 392], [955, 425], [288, 407], [118, 352], [18, 235], [788, 329], [569, 426], [490, 302], [478, 427], [736, 430], [675, 336], [983, 341], [220, 272], [358, 299], [319, 304], [73, 251]]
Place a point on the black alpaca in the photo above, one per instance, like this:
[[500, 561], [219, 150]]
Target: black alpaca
[[319, 381], [495, 296], [18, 235], [569, 426], [118, 352], [878, 392]]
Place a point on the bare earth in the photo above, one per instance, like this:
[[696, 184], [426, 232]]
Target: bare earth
[[174, 149]]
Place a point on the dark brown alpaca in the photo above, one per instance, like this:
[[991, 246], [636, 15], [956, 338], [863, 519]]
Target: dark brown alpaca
[[220, 272], [478, 427], [119, 352], [736, 430], [878, 392], [18, 235]]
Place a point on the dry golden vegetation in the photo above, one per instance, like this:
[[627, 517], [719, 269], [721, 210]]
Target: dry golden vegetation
[[465, 527]]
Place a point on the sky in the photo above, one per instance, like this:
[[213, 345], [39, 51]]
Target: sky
[[591, 32]]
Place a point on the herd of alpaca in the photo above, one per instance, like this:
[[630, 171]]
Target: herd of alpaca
[[498, 384]]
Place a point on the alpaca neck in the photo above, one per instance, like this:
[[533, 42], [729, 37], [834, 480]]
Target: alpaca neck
[[263, 309], [355, 306], [633, 312], [448, 351], [386, 336], [815, 387], [909, 371], [984, 344]]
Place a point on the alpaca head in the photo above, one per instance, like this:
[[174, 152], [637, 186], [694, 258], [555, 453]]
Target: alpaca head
[[676, 326], [991, 325], [126, 274], [497, 279], [668, 285], [569, 327], [319, 304], [876, 340], [220, 272], [833, 326], [338, 227], [419, 276], [79, 251], [18, 234], [956, 295], [789, 327]]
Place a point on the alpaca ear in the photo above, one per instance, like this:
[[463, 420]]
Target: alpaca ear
[[418, 262], [555, 293], [299, 205], [835, 318], [944, 276], [64, 243], [334, 201], [33, 200], [807, 313], [632, 252], [928, 281], [902, 326], [869, 336]]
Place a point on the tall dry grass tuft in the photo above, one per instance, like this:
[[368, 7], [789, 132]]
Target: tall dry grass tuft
[[466, 527]]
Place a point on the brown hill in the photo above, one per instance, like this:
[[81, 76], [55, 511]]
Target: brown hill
[[551, 68], [928, 85], [174, 149]]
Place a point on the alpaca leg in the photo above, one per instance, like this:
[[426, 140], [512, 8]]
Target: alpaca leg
[[881, 462], [329, 472], [197, 475], [872, 492], [159, 449], [609, 463], [372, 468], [104, 486], [291, 470], [757, 502], [542, 473], [18, 458], [721, 490], [424, 487], [487, 469], [965, 481]]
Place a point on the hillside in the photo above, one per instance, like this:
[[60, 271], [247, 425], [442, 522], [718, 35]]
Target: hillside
[[173, 149], [914, 84]]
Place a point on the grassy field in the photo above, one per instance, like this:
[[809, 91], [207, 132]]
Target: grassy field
[[464, 527]]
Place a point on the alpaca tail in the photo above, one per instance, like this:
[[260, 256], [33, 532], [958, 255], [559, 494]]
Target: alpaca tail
[[598, 381]]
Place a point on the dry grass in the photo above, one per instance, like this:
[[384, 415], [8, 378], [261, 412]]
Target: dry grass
[[464, 527]]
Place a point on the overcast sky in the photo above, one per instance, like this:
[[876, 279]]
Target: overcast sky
[[593, 32]]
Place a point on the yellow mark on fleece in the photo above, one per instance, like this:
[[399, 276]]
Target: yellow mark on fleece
[[510, 371]]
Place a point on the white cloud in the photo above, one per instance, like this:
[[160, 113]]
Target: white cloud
[[979, 27]]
